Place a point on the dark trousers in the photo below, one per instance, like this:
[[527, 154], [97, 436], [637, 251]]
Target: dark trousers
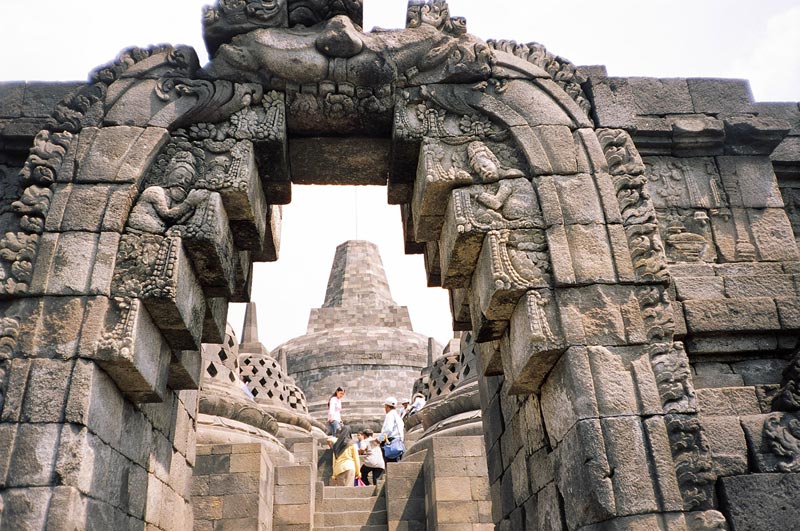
[[376, 474]]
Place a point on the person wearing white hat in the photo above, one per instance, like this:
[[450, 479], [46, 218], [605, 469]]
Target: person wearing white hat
[[392, 432]]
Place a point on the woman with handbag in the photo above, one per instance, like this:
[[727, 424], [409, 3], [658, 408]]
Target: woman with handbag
[[392, 432], [346, 465]]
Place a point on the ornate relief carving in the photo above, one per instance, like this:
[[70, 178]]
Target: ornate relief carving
[[136, 258], [675, 182], [693, 463], [561, 70], [161, 206], [638, 214], [118, 341], [32, 208], [161, 283], [673, 378], [782, 433], [520, 258], [45, 158], [17, 254], [539, 326], [9, 332], [788, 397], [687, 234], [85, 107]]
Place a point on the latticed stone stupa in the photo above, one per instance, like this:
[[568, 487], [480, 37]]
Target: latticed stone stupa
[[360, 339]]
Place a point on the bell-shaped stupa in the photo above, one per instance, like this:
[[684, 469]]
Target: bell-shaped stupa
[[360, 339]]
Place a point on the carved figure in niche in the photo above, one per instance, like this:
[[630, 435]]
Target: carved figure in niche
[[160, 207], [512, 199], [788, 397], [782, 432], [687, 235]]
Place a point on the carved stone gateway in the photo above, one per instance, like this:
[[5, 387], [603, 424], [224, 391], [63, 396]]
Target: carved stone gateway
[[620, 250]]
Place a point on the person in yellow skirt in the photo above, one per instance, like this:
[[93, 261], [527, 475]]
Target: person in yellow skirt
[[346, 465]]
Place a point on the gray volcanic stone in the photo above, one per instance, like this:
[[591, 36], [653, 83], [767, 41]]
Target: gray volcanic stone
[[761, 502]]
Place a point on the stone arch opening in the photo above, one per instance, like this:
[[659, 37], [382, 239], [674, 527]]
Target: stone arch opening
[[152, 191]]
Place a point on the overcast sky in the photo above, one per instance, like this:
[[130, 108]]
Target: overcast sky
[[57, 40]]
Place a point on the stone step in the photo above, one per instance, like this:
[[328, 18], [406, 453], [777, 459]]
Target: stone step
[[352, 518], [338, 505], [379, 527], [351, 492]]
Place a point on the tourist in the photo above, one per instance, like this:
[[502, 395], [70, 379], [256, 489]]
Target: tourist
[[403, 409], [392, 432], [346, 465], [334, 423], [372, 460], [417, 404]]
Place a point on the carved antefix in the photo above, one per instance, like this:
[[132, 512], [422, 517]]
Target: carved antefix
[[511, 262]]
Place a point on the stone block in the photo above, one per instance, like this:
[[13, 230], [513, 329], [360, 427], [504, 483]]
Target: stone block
[[173, 296], [133, 353], [568, 395], [703, 288], [788, 311], [579, 200], [743, 315], [692, 182], [559, 147], [535, 342], [627, 451], [761, 502], [510, 263], [95, 402], [33, 460], [56, 327], [11, 97], [769, 441], [25, 508], [668, 493], [613, 102], [727, 444], [474, 211], [90, 208], [696, 135], [590, 252], [660, 96], [728, 401], [75, 263], [601, 315], [582, 469], [113, 154], [749, 182], [432, 188], [489, 358], [292, 475], [185, 370], [716, 96], [33, 382], [208, 242], [753, 135], [772, 234]]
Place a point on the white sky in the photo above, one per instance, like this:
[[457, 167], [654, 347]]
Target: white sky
[[55, 40]]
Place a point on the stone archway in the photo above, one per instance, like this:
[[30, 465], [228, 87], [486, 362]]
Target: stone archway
[[155, 187]]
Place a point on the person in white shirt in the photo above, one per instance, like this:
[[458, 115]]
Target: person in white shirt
[[392, 429], [369, 450], [334, 423], [417, 404], [403, 410]]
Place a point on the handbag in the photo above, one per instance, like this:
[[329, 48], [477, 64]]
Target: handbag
[[358, 483], [394, 449]]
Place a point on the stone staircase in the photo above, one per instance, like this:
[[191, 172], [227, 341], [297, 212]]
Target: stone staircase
[[350, 509]]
